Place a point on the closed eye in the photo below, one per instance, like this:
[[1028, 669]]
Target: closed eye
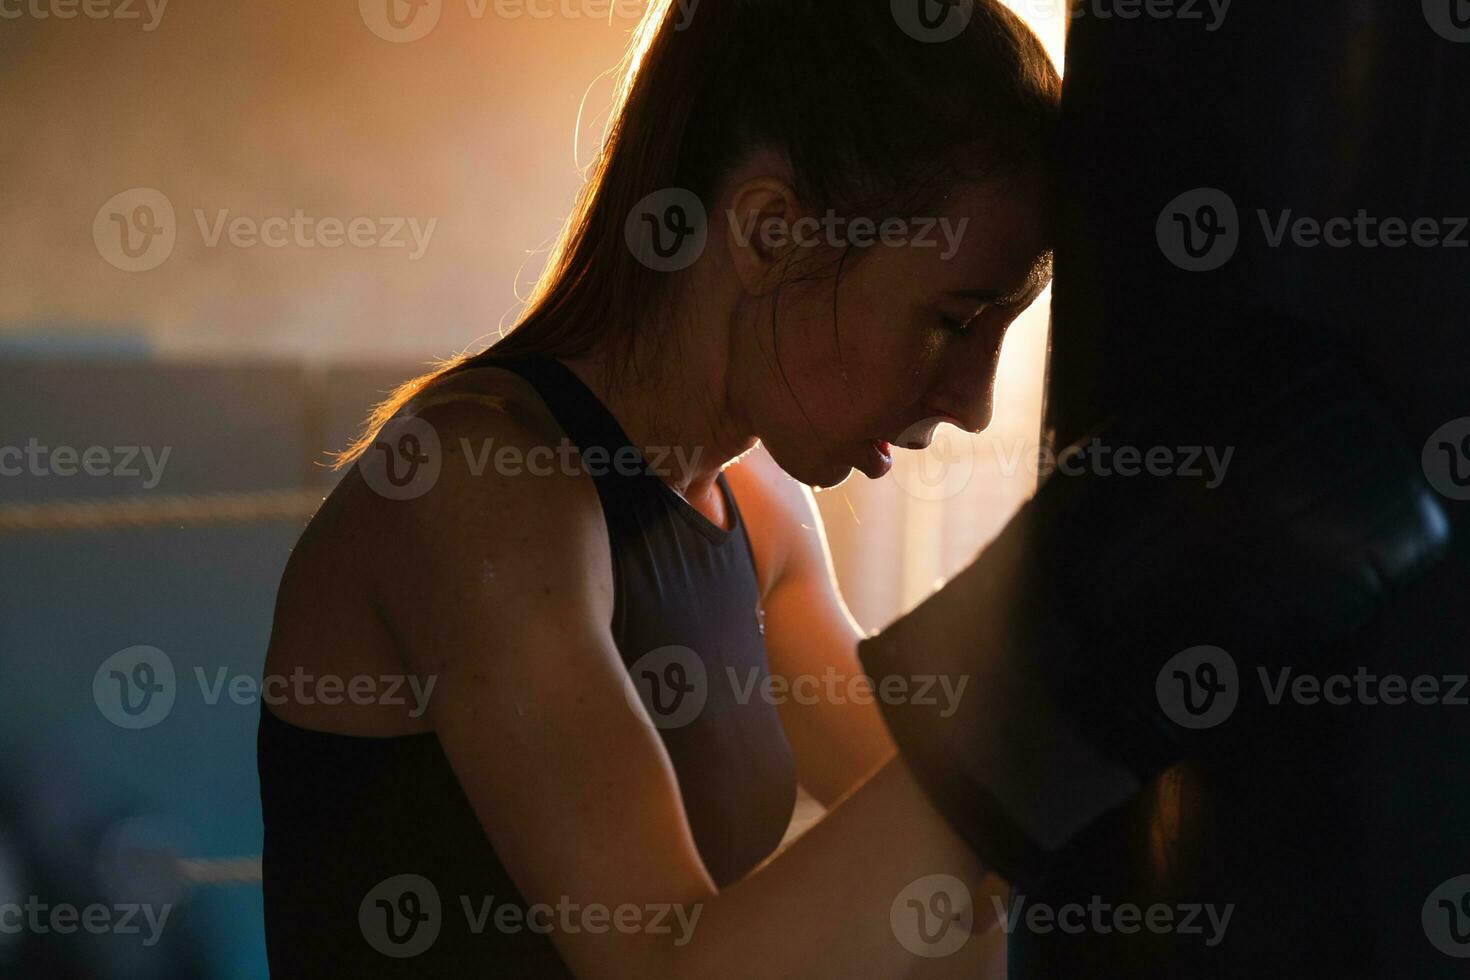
[[957, 325]]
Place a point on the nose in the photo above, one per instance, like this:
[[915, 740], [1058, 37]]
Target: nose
[[965, 391], [978, 419], [921, 433]]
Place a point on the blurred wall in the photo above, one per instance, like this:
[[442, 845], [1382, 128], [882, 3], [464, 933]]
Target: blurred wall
[[259, 109], [465, 139]]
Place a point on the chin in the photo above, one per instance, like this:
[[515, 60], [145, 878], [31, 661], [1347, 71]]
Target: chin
[[832, 478], [815, 472]]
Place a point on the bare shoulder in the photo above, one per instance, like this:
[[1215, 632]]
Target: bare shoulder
[[487, 503], [446, 463], [439, 528]]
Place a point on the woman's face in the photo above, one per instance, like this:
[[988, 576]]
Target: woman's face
[[908, 339]]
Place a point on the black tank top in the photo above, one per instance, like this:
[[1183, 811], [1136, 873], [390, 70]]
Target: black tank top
[[374, 863]]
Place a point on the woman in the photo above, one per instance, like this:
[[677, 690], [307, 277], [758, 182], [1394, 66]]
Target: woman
[[598, 648]]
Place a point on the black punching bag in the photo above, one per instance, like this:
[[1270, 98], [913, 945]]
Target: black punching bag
[[1231, 169]]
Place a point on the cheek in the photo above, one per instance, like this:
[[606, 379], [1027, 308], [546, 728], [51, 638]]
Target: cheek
[[881, 325], [886, 356], [895, 357], [859, 362]]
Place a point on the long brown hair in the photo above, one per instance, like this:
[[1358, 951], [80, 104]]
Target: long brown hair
[[871, 115]]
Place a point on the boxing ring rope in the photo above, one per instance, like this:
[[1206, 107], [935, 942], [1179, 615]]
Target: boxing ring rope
[[219, 871], [183, 510]]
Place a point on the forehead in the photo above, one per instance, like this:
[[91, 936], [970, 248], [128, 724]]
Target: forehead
[[987, 239]]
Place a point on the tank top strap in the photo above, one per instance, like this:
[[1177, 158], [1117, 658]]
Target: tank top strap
[[627, 482], [585, 419]]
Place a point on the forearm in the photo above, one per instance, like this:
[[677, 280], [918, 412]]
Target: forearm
[[824, 906]]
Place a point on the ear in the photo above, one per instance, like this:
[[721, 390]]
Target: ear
[[759, 235]]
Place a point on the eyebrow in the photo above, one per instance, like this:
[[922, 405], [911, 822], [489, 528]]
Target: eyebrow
[[1034, 284], [995, 297]]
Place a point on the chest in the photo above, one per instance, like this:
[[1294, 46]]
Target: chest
[[689, 626]]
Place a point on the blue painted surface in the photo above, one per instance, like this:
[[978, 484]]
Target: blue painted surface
[[72, 783]]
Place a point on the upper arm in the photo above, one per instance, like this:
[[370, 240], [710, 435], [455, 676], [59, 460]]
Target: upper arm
[[836, 731], [499, 587]]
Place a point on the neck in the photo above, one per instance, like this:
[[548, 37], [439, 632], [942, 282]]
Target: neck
[[677, 410]]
